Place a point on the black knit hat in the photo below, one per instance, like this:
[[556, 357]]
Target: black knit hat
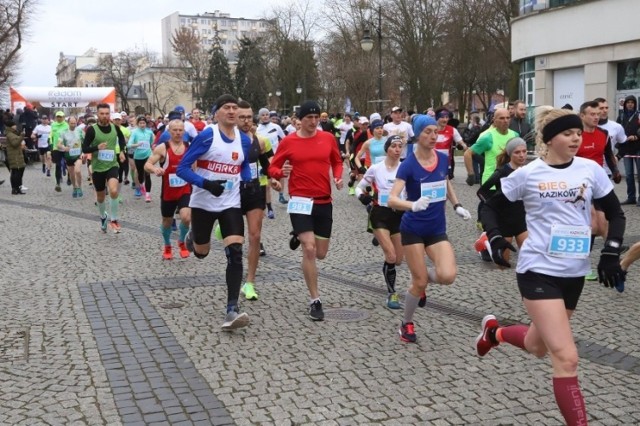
[[307, 108]]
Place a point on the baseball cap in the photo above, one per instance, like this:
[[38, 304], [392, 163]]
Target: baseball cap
[[179, 108], [273, 114], [363, 120], [308, 108], [59, 114], [396, 109], [116, 116], [124, 113], [174, 115]]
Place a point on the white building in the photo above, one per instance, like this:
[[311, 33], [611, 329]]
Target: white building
[[230, 30], [571, 51]]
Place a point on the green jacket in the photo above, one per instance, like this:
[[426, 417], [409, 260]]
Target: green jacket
[[15, 155]]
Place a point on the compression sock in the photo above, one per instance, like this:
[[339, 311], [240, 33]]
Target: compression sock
[[389, 272], [184, 229], [166, 235], [513, 334], [113, 202], [234, 272], [102, 209], [410, 305], [570, 401], [269, 206]]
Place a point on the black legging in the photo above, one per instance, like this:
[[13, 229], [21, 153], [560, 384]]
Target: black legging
[[123, 170], [142, 175], [16, 178], [58, 157]]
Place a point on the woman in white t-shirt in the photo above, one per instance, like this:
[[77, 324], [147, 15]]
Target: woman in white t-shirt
[[374, 189], [557, 190]]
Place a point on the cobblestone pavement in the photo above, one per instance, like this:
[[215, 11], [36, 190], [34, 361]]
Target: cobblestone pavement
[[97, 329]]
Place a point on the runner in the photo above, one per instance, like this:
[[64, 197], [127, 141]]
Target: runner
[[253, 194], [448, 138], [309, 154], [174, 192], [220, 154], [384, 220], [70, 144], [557, 190], [140, 141], [423, 227], [512, 223], [41, 134], [58, 127], [103, 139], [373, 149], [275, 134], [401, 128]]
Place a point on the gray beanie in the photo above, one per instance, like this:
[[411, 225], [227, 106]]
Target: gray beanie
[[513, 144], [263, 111]]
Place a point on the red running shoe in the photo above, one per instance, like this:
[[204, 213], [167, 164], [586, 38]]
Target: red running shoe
[[482, 243], [484, 341], [184, 253], [407, 332], [167, 253]]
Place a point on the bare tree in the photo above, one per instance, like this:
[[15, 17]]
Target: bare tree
[[119, 71], [193, 58], [162, 92], [13, 22]]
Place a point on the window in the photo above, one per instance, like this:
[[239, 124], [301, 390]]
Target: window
[[629, 75], [183, 21]]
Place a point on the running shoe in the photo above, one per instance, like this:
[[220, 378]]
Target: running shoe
[[270, 214], [315, 311], [115, 226], [188, 241], [58, 189], [137, 193], [294, 242], [147, 198], [25, 189], [234, 320], [48, 172], [393, 301], [352, 191], [126, 182], [423, 300], [485, 256], [103, 223], [80, 194], [375, 242], [248, 291], [174, 226], [482, 243], [591, 276], [281, 199], [184, 252], [407, 332], [263, 252], [486, 340], [167, 253], [74, 194]]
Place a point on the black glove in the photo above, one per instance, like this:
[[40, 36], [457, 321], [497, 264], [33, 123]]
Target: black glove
[[471, 180], [365, 199], [498, 247], [215, 187], [362, 170], [610, 274], [617, 177]]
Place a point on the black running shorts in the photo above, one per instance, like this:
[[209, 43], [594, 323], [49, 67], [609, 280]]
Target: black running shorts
[[536, 286], [100, 179], [231, 223], [168, 208], [319, 221], [385, 218]]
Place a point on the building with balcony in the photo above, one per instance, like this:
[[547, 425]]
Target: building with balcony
[[79, 70], [571, 51], [229, 30]]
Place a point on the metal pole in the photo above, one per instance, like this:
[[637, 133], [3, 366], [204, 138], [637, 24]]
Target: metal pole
[[380, 59]]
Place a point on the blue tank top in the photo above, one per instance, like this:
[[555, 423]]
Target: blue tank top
[[376, 150]]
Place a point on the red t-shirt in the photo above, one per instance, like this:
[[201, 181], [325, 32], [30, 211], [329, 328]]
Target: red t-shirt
[[593, 145], [199, 125], [311, 159]]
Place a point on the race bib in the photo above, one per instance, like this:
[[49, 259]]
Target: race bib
[[254, 170], [435, 191], [378, 159], [300, 205], [570, 241], [144, 145], [75, 152], [106, 155], [175, 181], [383, 198]]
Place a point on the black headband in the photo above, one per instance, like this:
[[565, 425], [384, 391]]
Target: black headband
[[560, 124]]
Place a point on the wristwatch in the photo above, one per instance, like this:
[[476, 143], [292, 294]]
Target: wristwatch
[[612, 244]]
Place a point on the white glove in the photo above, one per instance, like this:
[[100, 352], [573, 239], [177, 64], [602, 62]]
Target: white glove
[[421, 204], [463, 213]]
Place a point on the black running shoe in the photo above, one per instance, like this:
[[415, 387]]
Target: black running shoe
[[375, 242], [294, 243], [423, 300], [315, 311], [263, 252]]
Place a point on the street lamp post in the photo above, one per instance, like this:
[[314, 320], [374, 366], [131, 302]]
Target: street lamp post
[[367, 44], [278, 93], [401, 88], [298, 91]]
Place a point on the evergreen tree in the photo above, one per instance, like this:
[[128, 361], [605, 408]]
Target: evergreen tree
[[250, 71], [219, 79]]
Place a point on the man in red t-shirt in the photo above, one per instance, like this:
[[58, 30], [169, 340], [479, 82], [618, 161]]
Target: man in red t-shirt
[[306, 157], [196, 120]]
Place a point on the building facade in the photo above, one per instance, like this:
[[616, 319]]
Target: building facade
[[205, 25], [571, 51], [80, 70]]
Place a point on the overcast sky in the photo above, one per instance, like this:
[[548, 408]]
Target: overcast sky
[[72, 27]]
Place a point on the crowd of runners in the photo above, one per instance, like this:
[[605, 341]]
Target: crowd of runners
[[212, 173]]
